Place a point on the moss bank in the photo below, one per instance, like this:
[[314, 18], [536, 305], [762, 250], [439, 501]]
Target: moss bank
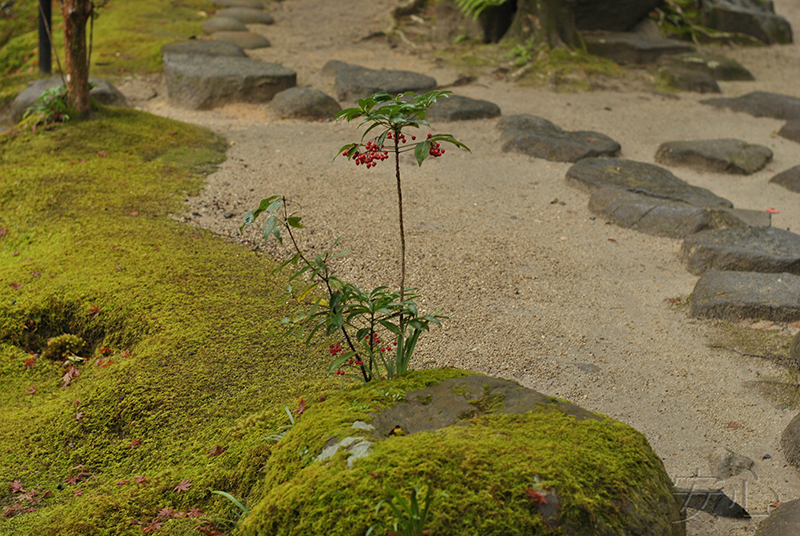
[[90, 249]]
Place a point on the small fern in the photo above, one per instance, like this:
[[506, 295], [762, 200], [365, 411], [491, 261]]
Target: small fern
[[475, 7]]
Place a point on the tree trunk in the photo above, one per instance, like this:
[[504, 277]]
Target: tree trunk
[[76, 13], [545, 21]]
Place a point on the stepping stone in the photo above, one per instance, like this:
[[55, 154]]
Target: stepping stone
[[612, 15], [223, 24], [760, 104], [252, 4], [681, 79], [742, 249], [790, 439], [750, 17], [103, 92], [781, 521], [355, 82], [300, 103], [739, 295], [791, 130], [458, 108], [245, 40], [633, 48], [200, 82], [246, 15], [663, 217], [719, 67], [538, 137], [789, 179], [718, 156], [207, 48], [640, 178]]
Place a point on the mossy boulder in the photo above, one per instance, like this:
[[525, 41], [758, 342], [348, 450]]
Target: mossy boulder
[[487, 448], [60, 347]]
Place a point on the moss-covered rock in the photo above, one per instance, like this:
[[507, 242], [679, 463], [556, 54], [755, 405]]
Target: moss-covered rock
[[493, 447]]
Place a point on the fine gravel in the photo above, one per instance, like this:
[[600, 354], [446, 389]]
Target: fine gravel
[[536, 290]]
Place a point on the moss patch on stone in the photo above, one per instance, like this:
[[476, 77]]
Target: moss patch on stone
[[600, 469], [191, 321]]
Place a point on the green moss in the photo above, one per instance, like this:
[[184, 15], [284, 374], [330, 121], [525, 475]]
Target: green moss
[[192, 322], [595, 467], [488, 403], [58, 348]]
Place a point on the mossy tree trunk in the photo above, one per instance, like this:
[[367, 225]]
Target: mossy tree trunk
[[545, 21], [76, 13]]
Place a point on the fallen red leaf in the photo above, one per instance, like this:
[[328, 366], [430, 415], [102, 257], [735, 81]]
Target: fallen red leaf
[[134, 213], [36, 274], [32, 390], [216, 451], [15, 286], [772, 210], [135, 443], [106, 364], [47, 493], [101, 154], [183, 485], [75, 405], [535, 496], [139, 479], [301, 408], [79, 416], [122, 482], [114, 247], [94, 311], [125, 353], [30, 362], [165, 513], [71, 374], [776, 504], [16, 486], [78, 492], [195, 512], [3, 231], [105, 351], [153, 526]]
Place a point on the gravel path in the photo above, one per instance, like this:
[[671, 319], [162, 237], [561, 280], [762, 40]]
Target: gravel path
[[539, 292]]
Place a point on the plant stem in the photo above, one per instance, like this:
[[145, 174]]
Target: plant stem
[[400, 207]]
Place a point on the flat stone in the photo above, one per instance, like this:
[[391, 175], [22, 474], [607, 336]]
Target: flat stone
[[612, 15], [739, 295], [790, 441], [633, 48], [641, 178], [458, 108], [724, 463], [300, 103], [245, 40], [657, 215], [252, 4], [760, 104], [750, 17], [223, 24], [794, 350], [782, 521], [355, 82], [103, 92], [246, 15], [538, 137], [682, 79], [202, 82], [791, 130], [719, 67], [203, 47], [743, 249], [789, 179], [719, 156]]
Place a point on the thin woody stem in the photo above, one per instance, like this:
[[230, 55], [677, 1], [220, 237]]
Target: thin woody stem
[[400, 209]]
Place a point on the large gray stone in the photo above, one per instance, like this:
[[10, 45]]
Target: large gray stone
[[641, 178], [246, 15], [538, 137], [738, 295], [300, 103], [103, 92], [633, 48], [223, 24], [681, 79], [202, 82], [743, 249], [794, 351], [355, 81], [790, 441], [246, 40], [750, 17], [458, 108], [718, 156], [789, 179], [782, 521], [760, 104], [724, 463], [719, 67], [791, 130], [612, 15], [203, 47], [660, 216]]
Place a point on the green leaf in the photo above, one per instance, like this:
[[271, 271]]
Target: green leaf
[[294, 221], [421, 151]]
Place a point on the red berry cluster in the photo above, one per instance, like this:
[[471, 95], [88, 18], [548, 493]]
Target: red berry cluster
[[336, 349], [400, 137], [435, 150], [374, 152]]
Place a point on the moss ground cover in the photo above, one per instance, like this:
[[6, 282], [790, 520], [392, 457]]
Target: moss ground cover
[[127, 38], [90, 249]]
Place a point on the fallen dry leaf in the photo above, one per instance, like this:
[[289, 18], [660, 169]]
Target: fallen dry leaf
[[216, 451], [32, 390], [734, 425], [183, 485]]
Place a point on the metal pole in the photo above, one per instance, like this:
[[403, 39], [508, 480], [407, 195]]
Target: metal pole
[[45, 48]]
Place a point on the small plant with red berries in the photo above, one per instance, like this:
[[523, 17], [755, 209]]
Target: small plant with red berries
[[379, 329]]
